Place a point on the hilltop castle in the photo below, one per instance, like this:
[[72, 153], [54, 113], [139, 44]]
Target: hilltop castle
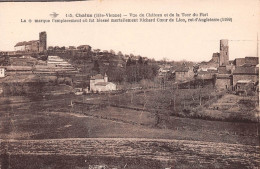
[[33, 45]]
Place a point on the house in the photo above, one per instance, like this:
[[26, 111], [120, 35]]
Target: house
[[239, 62], [183, 74], [84, 47], [247, 61], [207, 73], [244, 87], [30, 46], [99, 83], [252, 60], [2, 72], [163, 71], [72, 47], [223, 78], [245, 73]]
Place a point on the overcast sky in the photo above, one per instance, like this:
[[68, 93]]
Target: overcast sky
[[175, 41]]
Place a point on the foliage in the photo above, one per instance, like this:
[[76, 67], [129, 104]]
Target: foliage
[[136, 71]]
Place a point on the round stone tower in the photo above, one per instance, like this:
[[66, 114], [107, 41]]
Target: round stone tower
[[42, 41], [224, 53]]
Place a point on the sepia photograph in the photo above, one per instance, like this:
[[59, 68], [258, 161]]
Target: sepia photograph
[[109, 84]]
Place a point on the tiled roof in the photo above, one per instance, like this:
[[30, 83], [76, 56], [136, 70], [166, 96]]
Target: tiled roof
[[223, 76], [182, 69], [25, 43], [98, 76], [252, 60], [223, 70], [83, 46]]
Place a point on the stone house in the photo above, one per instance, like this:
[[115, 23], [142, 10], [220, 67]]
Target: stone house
[[84, 47], [239, 62], [244, 87], [253, 61], [247, 61], [223, 78], [30, 46], [207, 73], [245, 73], [183, 74]]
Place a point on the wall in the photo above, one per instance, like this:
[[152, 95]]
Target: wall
[[183, 76], [236, 78], [35, 47], [108, 87], [19, 48], [28, 47], [206, 76], [223, 83], [239, 61], [252, 60]]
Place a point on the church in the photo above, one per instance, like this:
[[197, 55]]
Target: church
[[99, 83]]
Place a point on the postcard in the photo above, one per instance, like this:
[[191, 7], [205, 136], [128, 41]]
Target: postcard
[[129, 84]]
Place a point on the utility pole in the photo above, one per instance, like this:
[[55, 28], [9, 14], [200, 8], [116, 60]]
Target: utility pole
[[257, 104]]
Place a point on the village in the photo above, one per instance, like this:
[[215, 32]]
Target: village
[[239, 75], [53, 92]]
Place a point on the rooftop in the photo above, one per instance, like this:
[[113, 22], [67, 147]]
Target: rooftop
[[246, 70], [182, 69], [26, 43], [98, 76], [223, 70], [244, 81]]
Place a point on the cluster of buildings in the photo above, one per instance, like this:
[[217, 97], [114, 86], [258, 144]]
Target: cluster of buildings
[[240, 75], [180, 73], [54, 65]]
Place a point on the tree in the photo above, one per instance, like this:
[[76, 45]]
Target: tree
[[120, 53], [132, 55], [129, 62], [96, 67], [140, 60], [112, 52]]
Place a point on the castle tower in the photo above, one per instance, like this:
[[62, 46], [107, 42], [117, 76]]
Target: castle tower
[[43, 41], [224, 53]]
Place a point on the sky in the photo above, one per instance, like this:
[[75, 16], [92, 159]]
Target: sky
[[171, 40]]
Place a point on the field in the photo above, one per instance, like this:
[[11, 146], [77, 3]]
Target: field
[[119, 131], [128, 153]]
